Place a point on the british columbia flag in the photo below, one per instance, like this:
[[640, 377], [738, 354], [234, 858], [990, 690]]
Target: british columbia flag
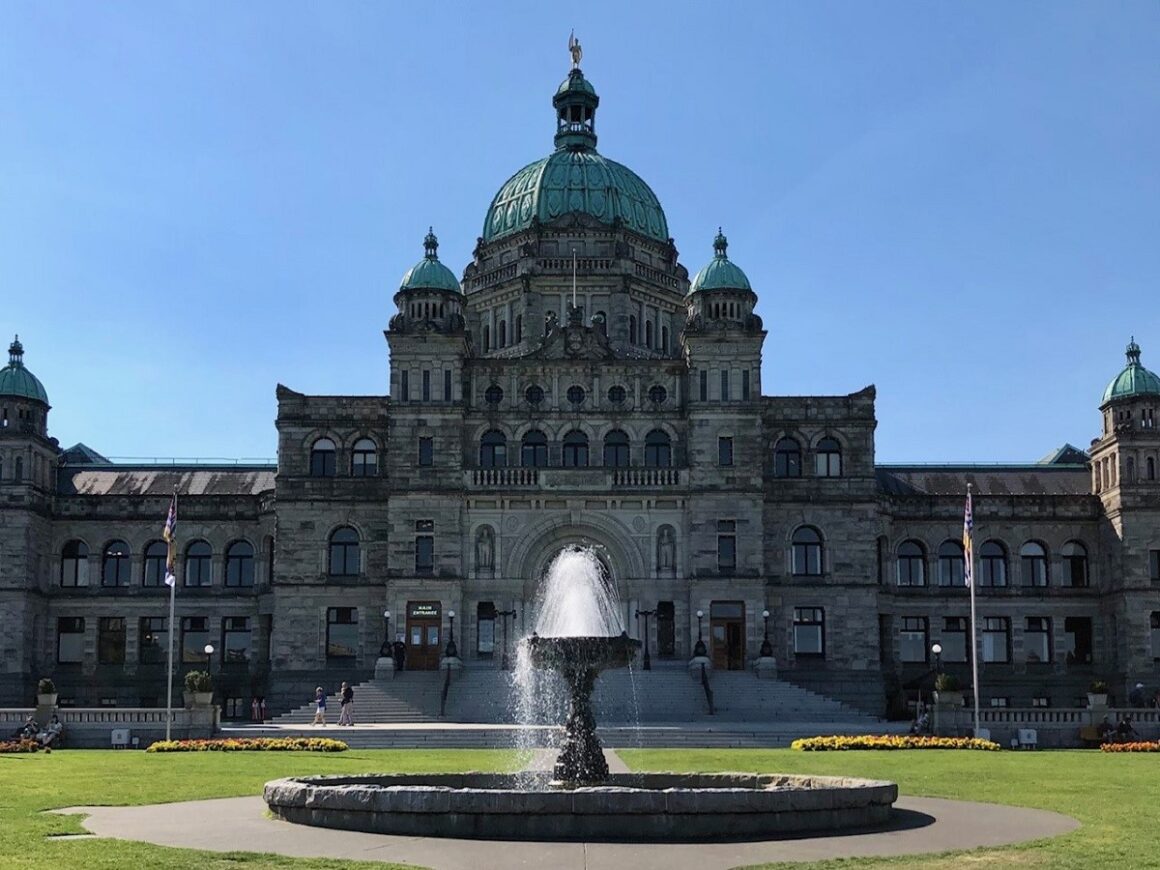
[[968, 549]]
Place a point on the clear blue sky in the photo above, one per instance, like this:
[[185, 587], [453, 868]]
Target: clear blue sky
[[957, 202]]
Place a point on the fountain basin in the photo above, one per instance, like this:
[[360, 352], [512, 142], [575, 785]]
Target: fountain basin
[[651, 807], [576, 653]]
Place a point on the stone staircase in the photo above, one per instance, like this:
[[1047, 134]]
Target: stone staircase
[[411, 697]]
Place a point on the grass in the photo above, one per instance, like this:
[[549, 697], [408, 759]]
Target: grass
[[1115, 797], [34, 783]]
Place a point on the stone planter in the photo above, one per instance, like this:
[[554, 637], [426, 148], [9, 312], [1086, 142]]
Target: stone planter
[[198, 699], [1097, 702], [48, 700], [949, 698]]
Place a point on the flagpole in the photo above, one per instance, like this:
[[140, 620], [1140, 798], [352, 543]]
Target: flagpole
[[170, 535], [974, 631], [573, 277]]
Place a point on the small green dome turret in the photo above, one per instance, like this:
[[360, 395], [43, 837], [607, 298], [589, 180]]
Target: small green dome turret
[[429, 273], [720, 273], [1134, 380], [18, 382]]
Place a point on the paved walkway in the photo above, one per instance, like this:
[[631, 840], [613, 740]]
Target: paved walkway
[[922, 825]]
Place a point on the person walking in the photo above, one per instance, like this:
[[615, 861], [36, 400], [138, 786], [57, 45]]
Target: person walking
[[346, 716], [320, 707]]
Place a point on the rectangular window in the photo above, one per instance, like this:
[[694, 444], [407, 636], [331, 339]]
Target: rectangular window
[[426, 385], [1037, 639], [725, 385], [404, 386], [745, 384], [726, 545], [342, 632], [426, 452], [809, 631], [70, 640], [236, 641], [1041, 701], [724, 451], [954, 639], [447, 385], [424, 554], [1154, 565], [194, 637], [1077, 639], [996, 639], [666, 630], [485, 629], [1000, 702], [912, 645], [111, 640], [1155, 636], [152, 640], [704, 385]]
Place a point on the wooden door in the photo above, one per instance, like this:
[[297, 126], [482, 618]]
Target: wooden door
[[424, 635], [727, 634]]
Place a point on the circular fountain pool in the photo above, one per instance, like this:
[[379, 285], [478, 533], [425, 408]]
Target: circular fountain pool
[[653, 806]]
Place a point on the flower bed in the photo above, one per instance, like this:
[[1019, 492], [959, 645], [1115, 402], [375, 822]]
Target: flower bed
[[19, 746], [251, 744], [890, 741], [1139, 746]]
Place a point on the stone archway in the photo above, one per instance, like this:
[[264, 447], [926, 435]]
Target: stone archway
[[539, 543]]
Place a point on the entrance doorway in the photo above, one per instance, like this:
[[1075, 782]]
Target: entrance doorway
[[424, 625], [727, 633]]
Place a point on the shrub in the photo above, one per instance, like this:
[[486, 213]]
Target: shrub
[[46, 686], [1098, 687], [251, 744], [890, 741], [1139, 746], [21, 745], [947, 683], [198, 681]]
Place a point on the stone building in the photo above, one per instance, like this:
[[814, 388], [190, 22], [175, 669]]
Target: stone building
[[576, 388]]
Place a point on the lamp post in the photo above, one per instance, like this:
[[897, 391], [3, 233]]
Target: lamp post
[[208, 656], [452, 649], [699, 647], [766, 646], [647, 662], [386, 648], [505, 615], [937, 650]]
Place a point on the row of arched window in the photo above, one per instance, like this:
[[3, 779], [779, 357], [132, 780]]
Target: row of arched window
[[364, 460], [992, 562], [501, 334], [533, 450], [787, 458], [116, 564]]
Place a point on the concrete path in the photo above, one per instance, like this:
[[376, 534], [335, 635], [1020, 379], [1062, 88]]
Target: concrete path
[[923, 825]]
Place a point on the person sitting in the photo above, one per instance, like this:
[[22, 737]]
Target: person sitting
[[1125, 733], [50, 734], [921, 725], [27, 731], [1105, 730]]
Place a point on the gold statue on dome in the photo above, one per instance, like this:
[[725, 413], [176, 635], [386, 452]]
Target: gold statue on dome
[[575, 50]]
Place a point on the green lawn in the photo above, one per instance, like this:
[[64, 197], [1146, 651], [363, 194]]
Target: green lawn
[[33, 783], [1115, 797]]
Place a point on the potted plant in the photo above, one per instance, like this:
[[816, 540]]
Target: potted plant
[[46, 692], [198, 689], [1098, 695], [948, 690]]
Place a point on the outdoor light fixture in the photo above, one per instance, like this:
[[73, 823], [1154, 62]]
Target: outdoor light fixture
[[699, 648], [208, 655], [452, 649], [937, 650], [766, 646], [646, 662]]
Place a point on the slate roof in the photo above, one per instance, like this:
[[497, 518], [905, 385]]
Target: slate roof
[[161, 481], [987, 480]]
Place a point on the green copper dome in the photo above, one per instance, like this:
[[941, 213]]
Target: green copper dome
[[1134, 380], [720, 273], [429, 273], [575, 178], [16, 380]]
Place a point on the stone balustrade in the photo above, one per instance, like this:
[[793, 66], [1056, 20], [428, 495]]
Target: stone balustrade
[[1055, 727], [588, 478], [92, 727]]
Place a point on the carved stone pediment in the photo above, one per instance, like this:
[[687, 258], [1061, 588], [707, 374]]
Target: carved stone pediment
[[574, 342]]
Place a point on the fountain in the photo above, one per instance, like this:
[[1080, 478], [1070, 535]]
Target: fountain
[[578, 634]]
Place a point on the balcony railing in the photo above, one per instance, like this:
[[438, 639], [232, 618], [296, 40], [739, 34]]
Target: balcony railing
[[582, 479]]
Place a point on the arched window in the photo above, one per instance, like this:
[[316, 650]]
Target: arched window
[[322, 458], [519, 333], [486, 339], [344, 553], [616, 449], [787, 458], [1149, 468], [632, 329], [492, 450], [534, 450], [364, 458], [658, 449], [74, 564], [1075, 564], [828, 458], [156, 555], [18, 473], [115, 564], [1033, 559], [648, 332], [950, 564], [807, 552], [575, 449], [501, 334], [198, 564], [664, 339], [911, 564], [240, 564], [992, 564]]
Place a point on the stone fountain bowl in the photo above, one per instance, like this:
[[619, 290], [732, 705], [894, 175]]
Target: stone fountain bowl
[[593, 653], [653, 807]]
